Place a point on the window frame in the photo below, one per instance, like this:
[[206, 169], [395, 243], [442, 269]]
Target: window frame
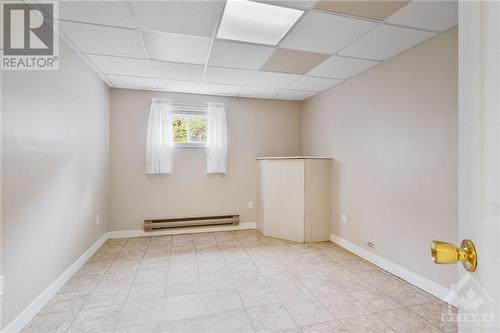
[[189, 115]]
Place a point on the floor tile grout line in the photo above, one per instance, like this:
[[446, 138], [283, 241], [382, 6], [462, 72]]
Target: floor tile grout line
[[102, 278], [131, 286], [199, 279], [245, 308], [282, 303]]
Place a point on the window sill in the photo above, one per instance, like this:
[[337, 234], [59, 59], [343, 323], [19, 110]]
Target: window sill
[[190, 145]]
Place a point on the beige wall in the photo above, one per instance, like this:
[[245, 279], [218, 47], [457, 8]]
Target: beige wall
[[393, 133], [255, 127], [54, 174]]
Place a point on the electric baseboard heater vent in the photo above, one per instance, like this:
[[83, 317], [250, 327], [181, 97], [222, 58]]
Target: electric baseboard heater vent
[[179, 222]]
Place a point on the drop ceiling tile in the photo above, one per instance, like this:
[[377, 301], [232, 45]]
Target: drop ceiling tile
[[297, 4], [255, 22], [228, 75], [114, 13], [273, 80], [121, 66], [131, 82], [179, 86], [220, 89], [255, 92], [341, 67], [293, 61], [176, 71], [384, 42], [310, 83], [325, 33], [238, 55], [295, 95], [377, 10], [429, 15], [176, 48], [104, 40], [198, 18]]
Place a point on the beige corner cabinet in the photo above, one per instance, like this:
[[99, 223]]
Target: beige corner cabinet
[[294, 198]]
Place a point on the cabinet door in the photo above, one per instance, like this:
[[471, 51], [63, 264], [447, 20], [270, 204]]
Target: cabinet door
[[282, 199], [317, 200]]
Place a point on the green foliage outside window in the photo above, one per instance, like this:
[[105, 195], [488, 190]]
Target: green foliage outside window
[[189, 129], [197, 130], [180, 129]]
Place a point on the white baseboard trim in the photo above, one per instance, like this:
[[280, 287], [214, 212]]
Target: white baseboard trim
[[25, 317], [421, 282], [176, 231]]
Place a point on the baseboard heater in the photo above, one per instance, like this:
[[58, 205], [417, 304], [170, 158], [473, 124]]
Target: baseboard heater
[[198, 221]]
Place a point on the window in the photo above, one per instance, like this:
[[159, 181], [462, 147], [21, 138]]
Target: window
[[189, 130]]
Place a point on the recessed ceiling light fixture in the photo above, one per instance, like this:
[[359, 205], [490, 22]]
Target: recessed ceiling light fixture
[[256, 22]]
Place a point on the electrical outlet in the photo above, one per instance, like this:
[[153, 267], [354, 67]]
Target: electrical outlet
[[344, 218], [371, 245], [250, 205], [98, 219], [2, 285]]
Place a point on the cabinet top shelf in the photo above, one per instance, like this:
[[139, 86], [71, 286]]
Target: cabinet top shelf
[[293, 158]]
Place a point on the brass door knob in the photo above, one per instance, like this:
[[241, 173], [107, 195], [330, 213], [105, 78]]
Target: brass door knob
[[446, 253]]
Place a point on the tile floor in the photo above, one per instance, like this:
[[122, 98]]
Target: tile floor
[[237, 281]]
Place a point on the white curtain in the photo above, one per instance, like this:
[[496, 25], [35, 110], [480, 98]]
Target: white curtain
[[160, 138], [216, 139]]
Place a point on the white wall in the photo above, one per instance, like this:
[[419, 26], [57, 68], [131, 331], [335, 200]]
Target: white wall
[[255, 128], [55, 129], [393, 134]]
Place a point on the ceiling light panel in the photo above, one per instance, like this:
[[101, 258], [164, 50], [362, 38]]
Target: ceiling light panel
[[293, 61], [130, 82], [112, 13], [96, 39], [325, 33], [228, 75], [341, 67], [122, 66], [273, 80], [310, 83], [220, 89], [429, 15], [255, 92], [176, 48], [238, 55], [295, 95], [198, 18], [384, 42], [256, 22]]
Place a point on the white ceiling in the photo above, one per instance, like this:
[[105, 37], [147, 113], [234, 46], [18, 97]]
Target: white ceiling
[[172, 45]]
